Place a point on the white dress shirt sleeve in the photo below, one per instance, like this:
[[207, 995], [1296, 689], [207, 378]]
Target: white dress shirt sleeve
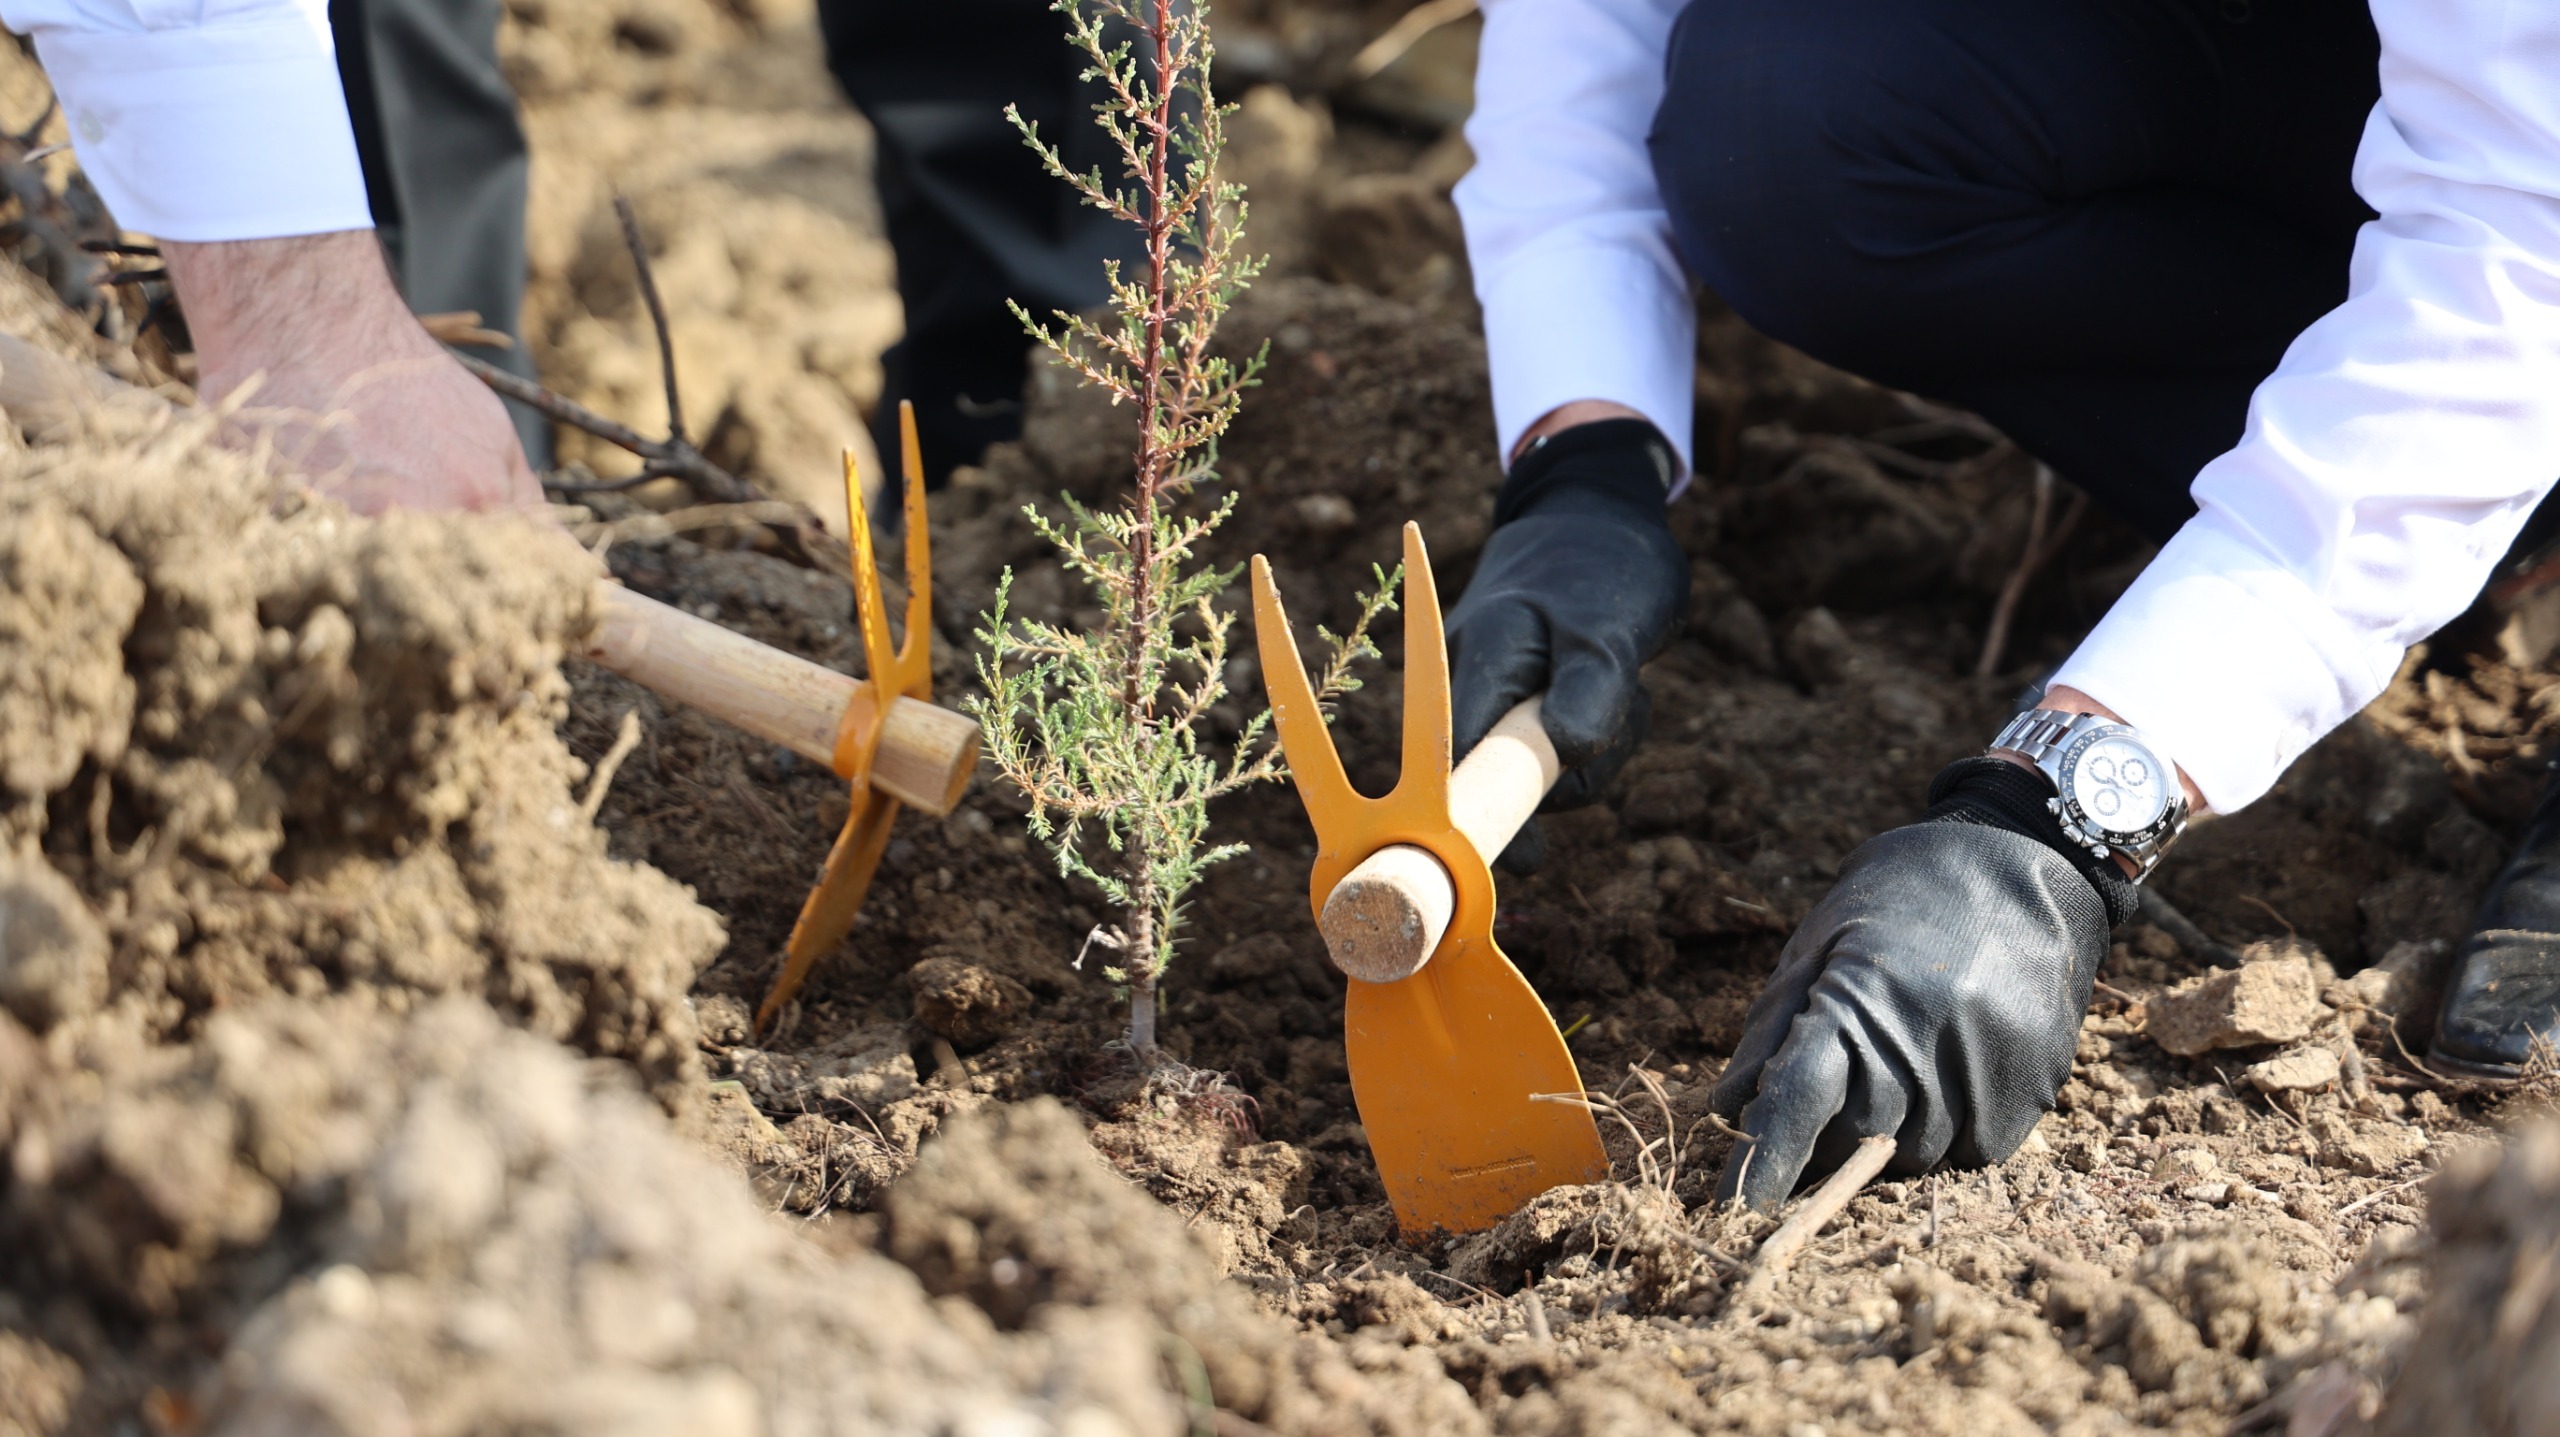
[[1583, 295], [204, 119], [2401, 444]]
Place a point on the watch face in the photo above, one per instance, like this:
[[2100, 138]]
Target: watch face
[[2119, 784]]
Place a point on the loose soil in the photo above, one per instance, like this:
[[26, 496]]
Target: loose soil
[[364, 1066]]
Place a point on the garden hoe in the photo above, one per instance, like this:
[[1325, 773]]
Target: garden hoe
[[1449, 1048]]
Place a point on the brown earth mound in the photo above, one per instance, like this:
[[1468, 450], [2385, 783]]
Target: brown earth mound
[[276, 750]]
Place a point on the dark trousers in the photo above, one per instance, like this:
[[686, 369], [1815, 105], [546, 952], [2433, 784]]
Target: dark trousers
[[2097, 223], [972, 217], [444, 165]]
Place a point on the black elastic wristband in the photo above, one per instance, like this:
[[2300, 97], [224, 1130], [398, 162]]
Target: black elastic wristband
[[1996, 793], [1627, 460]]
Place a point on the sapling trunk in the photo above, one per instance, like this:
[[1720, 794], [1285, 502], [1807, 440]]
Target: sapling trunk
[[1102, 729]]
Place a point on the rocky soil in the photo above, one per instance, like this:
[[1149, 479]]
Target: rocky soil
[[369, 1065]]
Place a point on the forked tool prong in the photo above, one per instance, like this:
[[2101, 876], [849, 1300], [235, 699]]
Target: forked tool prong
[[1426, 679], [896, 670], [1315, 767]]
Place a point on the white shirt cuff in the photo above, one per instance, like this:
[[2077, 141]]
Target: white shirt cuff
[[207, 133], [2228, 662], [1591, 321]]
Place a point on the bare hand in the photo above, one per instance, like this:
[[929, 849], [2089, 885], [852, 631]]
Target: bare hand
[[347, 385]]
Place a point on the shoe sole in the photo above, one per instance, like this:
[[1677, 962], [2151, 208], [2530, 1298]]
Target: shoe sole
[[2497, 1074]]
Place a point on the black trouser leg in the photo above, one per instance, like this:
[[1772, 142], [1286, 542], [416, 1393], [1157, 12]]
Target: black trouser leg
[[444, 164], [972, 217], [2098, 224]]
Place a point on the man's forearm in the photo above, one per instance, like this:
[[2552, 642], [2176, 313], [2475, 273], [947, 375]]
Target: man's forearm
[[351, 389], [251, 303]]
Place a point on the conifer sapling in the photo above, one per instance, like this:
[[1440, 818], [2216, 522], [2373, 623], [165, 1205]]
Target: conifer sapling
[[1103, 730]]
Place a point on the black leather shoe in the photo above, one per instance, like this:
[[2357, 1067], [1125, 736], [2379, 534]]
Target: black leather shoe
[[2503, 992]]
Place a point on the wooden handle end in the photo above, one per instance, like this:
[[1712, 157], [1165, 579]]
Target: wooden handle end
[[1382, 922], [927, 756]]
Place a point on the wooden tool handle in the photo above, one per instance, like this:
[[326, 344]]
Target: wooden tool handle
[[1385, 917], [927, 753]]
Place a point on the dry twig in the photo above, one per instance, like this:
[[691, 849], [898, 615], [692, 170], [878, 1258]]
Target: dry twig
[[1391, 45], [2369, 1199], [2041, 548], [601, 782], [675, 456], [1781, 1250], [671, 458]]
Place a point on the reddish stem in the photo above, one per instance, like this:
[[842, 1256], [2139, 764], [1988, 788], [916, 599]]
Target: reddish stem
[[1152, 462]]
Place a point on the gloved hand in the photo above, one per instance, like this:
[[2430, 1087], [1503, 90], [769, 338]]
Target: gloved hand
[[1935, 994], [1580, 583]]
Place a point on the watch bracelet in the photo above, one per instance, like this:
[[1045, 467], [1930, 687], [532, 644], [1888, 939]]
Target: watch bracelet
[[2037, 734]]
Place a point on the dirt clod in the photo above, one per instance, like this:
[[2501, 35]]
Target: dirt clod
[[2295, 1071], [966, 1003], [2271, 1002]]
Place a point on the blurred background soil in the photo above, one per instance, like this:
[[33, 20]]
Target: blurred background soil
[[368, 1065]]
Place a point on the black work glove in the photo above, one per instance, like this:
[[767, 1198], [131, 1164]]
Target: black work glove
[[1580, 583], [1934, 995]]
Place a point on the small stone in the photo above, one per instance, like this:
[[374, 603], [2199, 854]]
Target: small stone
[[965, 1003], [2181, 1168], [2300, 1070], [2271, 1002]]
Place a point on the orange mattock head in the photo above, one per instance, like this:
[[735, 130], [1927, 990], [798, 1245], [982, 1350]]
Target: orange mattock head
[[1448, 1065], [904, 670]]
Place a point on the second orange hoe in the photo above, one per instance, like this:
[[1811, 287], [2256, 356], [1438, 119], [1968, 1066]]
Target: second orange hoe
[[1449, 1054]]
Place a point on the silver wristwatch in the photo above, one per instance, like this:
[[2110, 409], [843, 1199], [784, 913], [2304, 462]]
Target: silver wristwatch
[[2113, 792]]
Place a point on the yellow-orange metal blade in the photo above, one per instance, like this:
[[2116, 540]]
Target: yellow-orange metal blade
[[893, 671], [1314, 767], [1445, 1064], [1426, 685], [871, 609], [915, 655], [826, 916]]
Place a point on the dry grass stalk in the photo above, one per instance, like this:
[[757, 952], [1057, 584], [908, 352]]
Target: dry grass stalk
[[1783, 1247], [1660, 1172], [625, 739]]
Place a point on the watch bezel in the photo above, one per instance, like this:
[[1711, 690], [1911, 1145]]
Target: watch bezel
[[2088, 829]]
